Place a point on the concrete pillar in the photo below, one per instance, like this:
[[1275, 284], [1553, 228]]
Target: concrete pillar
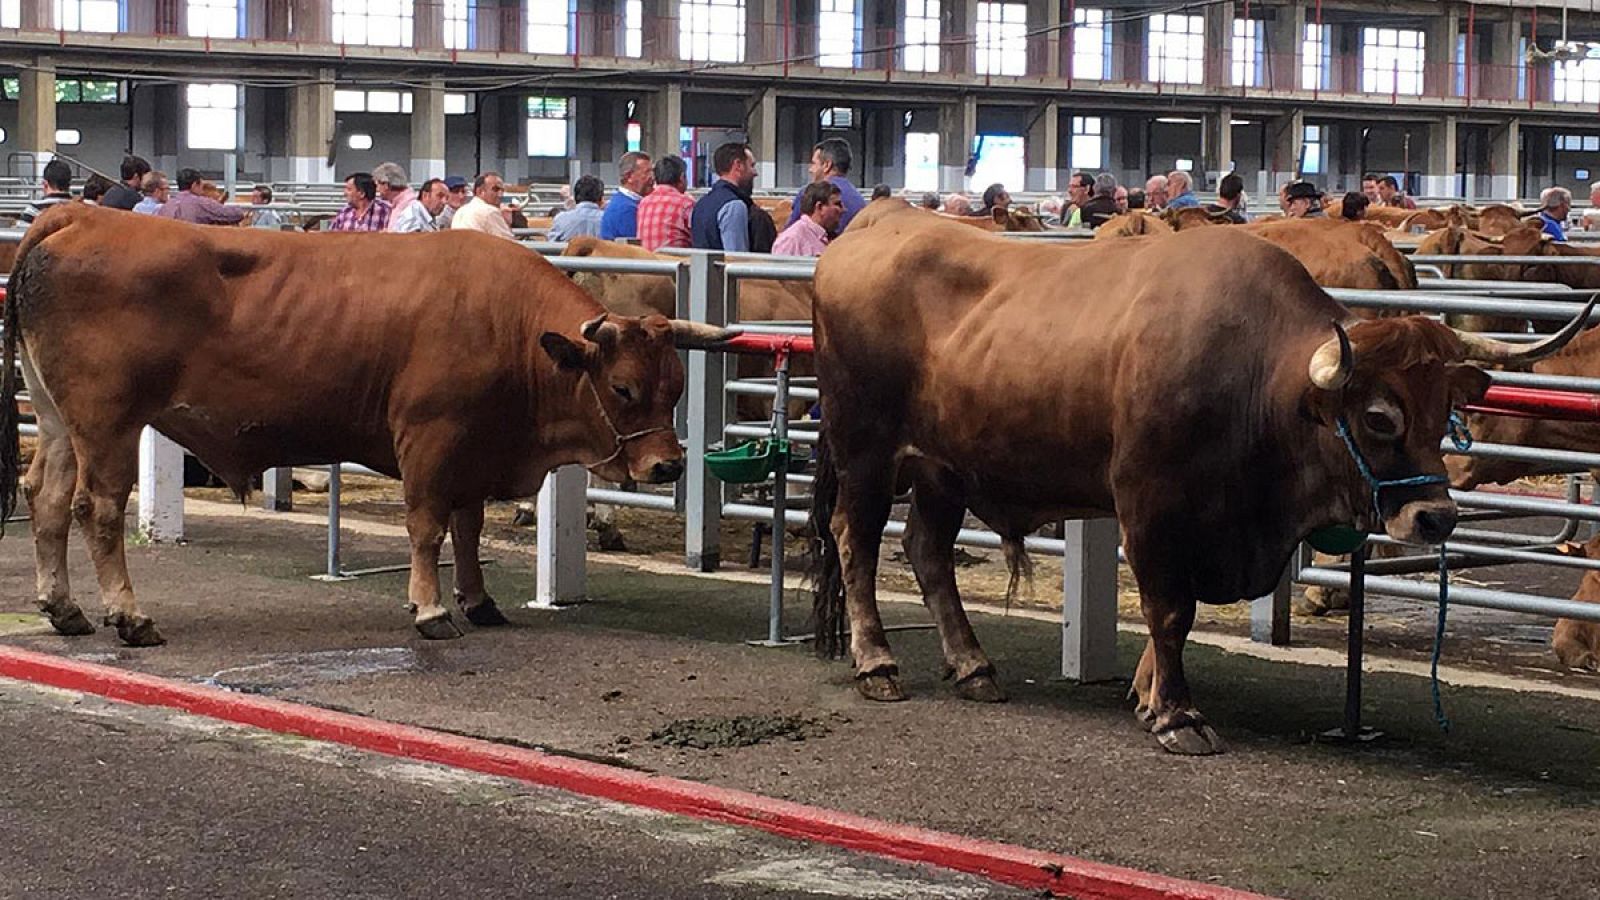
[[1044, 43], [1216, 144], [761, 123], [310, 130], [427, 131], [1285, 44], [767, 35], [160, 488], [1218, 71], [1439, 53], [1043, 148], [427, 25], [37, 15], [311, 21], [1500, 79], [958, 35], [958, 129], [660, 120], [1440, 178], [36, 112], [1286, 138], [659, 30], [1505, 160]]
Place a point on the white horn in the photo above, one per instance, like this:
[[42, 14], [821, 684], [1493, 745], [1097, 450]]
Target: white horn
[[1334, 361]]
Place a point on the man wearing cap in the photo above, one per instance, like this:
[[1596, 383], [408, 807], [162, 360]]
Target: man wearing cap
[[1302, 200], [456, 196]]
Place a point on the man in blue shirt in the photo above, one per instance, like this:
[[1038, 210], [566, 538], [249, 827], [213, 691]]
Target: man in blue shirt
[[584, 217], [636, 178], [1555, 204], [721, 219], [830, 162], [1181, 191]]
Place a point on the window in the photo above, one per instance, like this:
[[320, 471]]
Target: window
[[547, 26], [1247, 55], [1002, 38], [838, 117], [75, 91], [213, 18], [458, 104], [1091, 44], [347, 100], [922, 161], [922, 36], [1391, 61], [458, 22], [836, 33], [10, 13], [1461, 65], [1311, 152], [1087, 150], [633, 28], [68, 137], [1578, 81], [1316, 59], [1584, 143], [372, 23], [1177, 49], [2, 135], [359, 142], [635, 134], [88, 15], [213, 116], [711, 30], [547, 126], [1001, 160]]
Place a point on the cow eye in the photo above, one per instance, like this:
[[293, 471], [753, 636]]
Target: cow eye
[[1381, 423], [623, 392]]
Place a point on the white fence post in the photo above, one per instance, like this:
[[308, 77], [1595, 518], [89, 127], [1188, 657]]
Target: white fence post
[[1269, 614], [1089, 600], [277, 490], [160, 488], [560, 550], [705, 398]]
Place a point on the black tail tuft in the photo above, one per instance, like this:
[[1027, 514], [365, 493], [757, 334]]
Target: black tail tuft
[[10, 442], [1020, 565], [828, 619]]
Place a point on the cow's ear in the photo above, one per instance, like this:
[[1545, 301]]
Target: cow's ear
[[1467, 384], [567, 353], [999, 215]]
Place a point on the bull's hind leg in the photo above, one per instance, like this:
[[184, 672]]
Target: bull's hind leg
[[48, 488], [466, 526], [426, 522], [107, 466], [861, 511], [930, 545]]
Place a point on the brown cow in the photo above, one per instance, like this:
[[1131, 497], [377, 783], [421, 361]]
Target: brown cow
[[1577, 643], [1016, 218], [1497, 219], [1340, 254], [256, 349], [1131, 224], [1191, 389]]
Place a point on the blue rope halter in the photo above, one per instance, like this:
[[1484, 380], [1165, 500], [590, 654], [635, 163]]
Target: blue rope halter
[[1461, 437]]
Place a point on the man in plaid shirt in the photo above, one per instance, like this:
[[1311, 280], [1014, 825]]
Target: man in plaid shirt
[[664, 212], [363, 210]]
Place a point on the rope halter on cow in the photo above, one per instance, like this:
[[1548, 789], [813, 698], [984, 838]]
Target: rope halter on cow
[[621, 440]]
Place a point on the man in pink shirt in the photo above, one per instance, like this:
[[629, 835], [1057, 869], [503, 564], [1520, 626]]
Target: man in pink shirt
[[393, 189], [821, 208], [664, 212]]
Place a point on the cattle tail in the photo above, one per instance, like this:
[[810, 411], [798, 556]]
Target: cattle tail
[[831, 625], [10, 416]]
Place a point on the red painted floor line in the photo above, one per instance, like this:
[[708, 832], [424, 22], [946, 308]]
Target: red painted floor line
[[1035, 869]]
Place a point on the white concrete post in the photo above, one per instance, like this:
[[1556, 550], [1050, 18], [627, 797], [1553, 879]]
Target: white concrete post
[[1089, 600], [560, 549], [1269, 614], [160, 488], [705, 400], [277, 490]]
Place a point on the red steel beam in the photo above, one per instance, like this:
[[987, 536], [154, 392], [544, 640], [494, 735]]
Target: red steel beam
[[1538, 403]]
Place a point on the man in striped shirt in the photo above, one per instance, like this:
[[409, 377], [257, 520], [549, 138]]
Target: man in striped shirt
[[664, 212], [363, 210], [57, 189]]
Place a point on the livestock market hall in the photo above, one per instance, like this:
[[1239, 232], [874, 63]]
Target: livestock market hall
[[800, 448]]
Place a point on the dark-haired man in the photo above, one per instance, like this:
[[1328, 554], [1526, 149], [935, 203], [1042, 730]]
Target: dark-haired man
[[57, 189], [721, 219], [363, 210], [190, 204], [830, 162], [126, 194], [663, 216]]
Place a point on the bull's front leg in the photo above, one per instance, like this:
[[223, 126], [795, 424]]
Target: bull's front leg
[[426, 521], [466, 527], [1165, 706]]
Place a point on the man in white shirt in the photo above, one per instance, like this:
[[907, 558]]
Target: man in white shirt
[[423, 214], [482, 213]]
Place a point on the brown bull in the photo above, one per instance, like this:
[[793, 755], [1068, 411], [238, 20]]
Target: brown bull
[[1192, 390], [1340, 254], [257, 349], [1131, 224]]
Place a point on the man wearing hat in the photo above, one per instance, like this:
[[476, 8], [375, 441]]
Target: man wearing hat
[[457, 195], [1302, 200]]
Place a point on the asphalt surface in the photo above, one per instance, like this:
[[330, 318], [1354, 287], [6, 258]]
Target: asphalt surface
[[110, 800]]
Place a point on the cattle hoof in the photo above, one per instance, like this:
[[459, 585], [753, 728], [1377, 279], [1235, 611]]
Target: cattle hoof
[[980, 687], [71, 623], [136, 631], [880, 688], [609, 538], [1145, 716], [439, 628], [1195, 739], [1320, 601], [485, 615]]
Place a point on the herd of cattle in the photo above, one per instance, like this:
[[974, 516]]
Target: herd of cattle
[[1021, 382]]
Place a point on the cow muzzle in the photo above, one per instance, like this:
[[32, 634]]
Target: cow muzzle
[[1422, 522]]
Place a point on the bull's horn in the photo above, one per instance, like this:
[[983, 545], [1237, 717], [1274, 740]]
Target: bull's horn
[[1489, 350], [698, 335], [592, 327], [1333, 362]]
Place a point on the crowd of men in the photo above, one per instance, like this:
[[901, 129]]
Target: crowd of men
[[651, 203]]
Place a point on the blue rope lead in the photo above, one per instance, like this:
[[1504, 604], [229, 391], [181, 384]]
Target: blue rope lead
[[1438, 640]]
